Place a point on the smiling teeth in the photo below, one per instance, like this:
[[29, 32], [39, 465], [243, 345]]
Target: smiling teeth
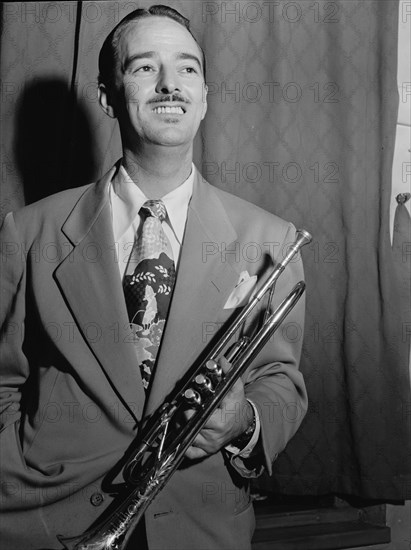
[[168, 110]]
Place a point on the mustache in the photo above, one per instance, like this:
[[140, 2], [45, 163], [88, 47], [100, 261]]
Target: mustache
[[169, 98]]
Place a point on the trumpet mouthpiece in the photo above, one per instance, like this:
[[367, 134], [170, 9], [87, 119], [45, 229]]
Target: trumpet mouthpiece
[[303, 237]]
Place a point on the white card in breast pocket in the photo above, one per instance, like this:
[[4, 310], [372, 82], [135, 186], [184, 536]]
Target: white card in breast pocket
[[242, 291]]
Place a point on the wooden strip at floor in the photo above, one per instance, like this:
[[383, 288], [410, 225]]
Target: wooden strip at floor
[[328, 536]]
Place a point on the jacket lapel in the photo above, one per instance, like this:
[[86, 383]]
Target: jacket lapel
[[202, 286], [90, 280]]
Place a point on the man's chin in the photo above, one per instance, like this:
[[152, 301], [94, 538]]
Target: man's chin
[[171, 137]]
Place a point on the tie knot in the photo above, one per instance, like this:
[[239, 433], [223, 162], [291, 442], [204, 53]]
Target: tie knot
[[155, 208], [402, 198]]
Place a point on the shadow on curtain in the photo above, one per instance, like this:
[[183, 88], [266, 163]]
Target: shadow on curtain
[[301, 119], [53, 146]]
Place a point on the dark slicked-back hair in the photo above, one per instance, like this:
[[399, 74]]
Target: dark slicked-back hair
[[108, 58]]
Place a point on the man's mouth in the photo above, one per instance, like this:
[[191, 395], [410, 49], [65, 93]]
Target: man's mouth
[[165, 110]]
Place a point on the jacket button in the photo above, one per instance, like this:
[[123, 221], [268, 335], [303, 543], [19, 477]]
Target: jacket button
[[96, 499]]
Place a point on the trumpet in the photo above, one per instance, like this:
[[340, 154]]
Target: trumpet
[[159, 450]]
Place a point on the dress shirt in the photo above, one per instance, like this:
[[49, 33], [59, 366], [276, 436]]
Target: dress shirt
[[126, 200]]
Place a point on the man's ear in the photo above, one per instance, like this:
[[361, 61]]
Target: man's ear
[[205, 92], [106, 100]]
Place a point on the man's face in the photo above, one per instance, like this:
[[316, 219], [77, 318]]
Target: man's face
[[160, 91]]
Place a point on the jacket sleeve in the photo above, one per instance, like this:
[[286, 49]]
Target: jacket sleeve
[[14, 364], [273, 382], [14, 367]]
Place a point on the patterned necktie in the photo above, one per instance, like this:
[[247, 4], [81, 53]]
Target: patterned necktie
[[148, 286]]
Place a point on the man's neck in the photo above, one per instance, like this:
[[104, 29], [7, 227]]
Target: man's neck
[[157, 174]]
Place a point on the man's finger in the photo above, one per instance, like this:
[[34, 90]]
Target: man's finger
[[224, 364], [195, 453]]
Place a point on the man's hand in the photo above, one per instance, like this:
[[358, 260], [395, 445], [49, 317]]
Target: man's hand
[[231, 419]]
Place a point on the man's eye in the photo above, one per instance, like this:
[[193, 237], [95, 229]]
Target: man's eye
[[190, 70], [143, 69]]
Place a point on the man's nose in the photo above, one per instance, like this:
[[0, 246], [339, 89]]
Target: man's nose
[[167, 82]]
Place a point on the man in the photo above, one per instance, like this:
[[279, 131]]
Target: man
[[73, 396]]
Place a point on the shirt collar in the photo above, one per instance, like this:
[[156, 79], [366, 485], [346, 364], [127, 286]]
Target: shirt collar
[[127, 199]]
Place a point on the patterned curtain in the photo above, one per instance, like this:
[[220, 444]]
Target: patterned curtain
[[301, 121]]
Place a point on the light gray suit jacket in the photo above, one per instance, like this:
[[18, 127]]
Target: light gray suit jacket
[[71, 395]]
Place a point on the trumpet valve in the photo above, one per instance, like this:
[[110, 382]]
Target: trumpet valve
[[214, 372], [203, 384], [192, 397]]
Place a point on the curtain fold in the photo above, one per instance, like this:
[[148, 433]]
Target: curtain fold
[[301, 120]]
